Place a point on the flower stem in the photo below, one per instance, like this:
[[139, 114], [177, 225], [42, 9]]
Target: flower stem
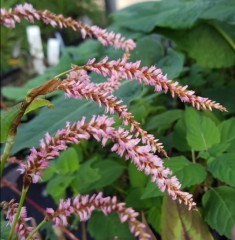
[[193, 156], [22, 198], [8, 146], [36, 229]]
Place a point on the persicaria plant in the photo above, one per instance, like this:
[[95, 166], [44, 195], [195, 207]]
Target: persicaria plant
[[130, 140]]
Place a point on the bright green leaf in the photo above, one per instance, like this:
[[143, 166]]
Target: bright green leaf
[[57, 187], [188, 173], [219, 209], [227, 130], [202, 132], [223, 168], [179, 223], [68, 161]]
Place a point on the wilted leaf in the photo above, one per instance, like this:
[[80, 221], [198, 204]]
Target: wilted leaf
[[7, 117], [180, 223]]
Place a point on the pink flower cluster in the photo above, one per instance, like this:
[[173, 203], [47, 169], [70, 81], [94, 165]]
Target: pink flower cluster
[[124, 144], [83, 206], [26, 11], [77, 85], [21, 229], [150, 76]]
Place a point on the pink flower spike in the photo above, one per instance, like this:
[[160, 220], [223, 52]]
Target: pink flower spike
[[83, 206]]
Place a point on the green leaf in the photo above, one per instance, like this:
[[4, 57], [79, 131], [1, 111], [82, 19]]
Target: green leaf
[[149, 50], [184, 224], [68, 161], [66, 110], [86, 177], [172, 64], [223, 168], [57, 186], [219, 209], [145, 16], [188, 173], [109, 170], [205, 44], [37, 103], [5, 230], [7, 117], [227, 130], [110, 228], [164, 120], [135, 200], [154, 216], [202, 132], [151, 190], [136, 178], [179, 136]]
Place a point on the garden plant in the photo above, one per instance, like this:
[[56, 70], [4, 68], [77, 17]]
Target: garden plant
[[151, 171]]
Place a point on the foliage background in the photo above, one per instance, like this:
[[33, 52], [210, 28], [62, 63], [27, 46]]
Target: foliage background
[[193, 42]]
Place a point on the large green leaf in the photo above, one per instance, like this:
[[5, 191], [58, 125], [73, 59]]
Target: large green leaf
[[110, 228], [71, 110], [179, 223], [148, 50], [219, 209], [202, 132], [7, 117], [145, 17], [205, 44], [179, 136], [223, 168], [172, 64], [227, 130], [164, 120]]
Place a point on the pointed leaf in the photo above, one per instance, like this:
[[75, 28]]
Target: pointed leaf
[[202, 132], [227, 130], [223, 168]]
